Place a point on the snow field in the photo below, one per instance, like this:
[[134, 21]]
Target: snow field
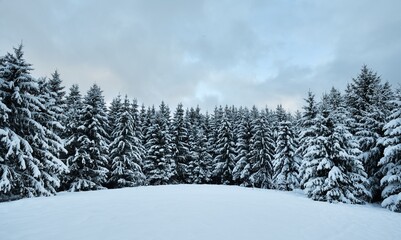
[[192, 212]]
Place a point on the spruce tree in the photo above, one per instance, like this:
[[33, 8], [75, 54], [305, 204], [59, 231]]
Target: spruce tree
[[53, 116], [114, 110], [126, 151], [179, 145], [224, 162], [367, 100], [24, 169], [137, 128], [296, 121], [332, 169], [57, 93], [286, 166], [159, 167], [242, 171], [146, 123], [5, 139], [88, 163], [209, 133], [142, 118], [215, 124], [234, 118], [200, 165], [55, 86], [261, 153], [280, 115], [307, 130], [390, 163], [51, 146], [306, 122], [74, 107], [137, 118], [73, 110]]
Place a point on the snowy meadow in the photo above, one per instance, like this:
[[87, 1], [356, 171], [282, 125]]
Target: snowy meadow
[[192, 212]]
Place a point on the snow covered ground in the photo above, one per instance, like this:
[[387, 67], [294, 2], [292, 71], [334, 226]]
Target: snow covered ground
[[185, 212]]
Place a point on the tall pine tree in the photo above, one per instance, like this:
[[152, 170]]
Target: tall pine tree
[[331, 169], [367, 100], [159, 166], [57, 93], [286, 166], [28, 167], [88, 162], [126, 151], [391, 161], [224, 162], [73, 110], [114, 110], [179, 145], [242, 169], [261, 153], [201, 161]]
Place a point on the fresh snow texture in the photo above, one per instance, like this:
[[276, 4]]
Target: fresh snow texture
[[192, 212]]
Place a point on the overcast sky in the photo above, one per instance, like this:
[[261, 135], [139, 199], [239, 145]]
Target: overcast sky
[[206, 53]]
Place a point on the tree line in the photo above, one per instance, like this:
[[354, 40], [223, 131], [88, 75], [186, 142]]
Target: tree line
[[344, 147]]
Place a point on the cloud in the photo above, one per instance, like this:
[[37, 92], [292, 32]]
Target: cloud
[[206, 52]]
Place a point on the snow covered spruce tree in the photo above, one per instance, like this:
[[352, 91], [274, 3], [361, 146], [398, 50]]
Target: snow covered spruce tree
[[88, 160], [286, 166], [23, 137], [201, 161], [147, 119], [209, 134], [113, 112], [368, 102], [261, 153], [179, 145], [242, 171], [126, 151], [224, 162], [331, 169], [51, 147], [142, 118], [159, 167], [137, 119], [234, 119], [57, 93], [6, 140], [73, 110], [391, 161], [279, 115], [215, 124], [306, 122], [137, 127], [4, 137]]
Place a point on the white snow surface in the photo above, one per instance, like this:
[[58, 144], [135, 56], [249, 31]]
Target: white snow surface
[[192, 212]]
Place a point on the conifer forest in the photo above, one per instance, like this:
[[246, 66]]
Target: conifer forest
[[343, 146]]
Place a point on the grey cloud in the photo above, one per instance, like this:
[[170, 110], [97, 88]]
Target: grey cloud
[[206, 52]]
